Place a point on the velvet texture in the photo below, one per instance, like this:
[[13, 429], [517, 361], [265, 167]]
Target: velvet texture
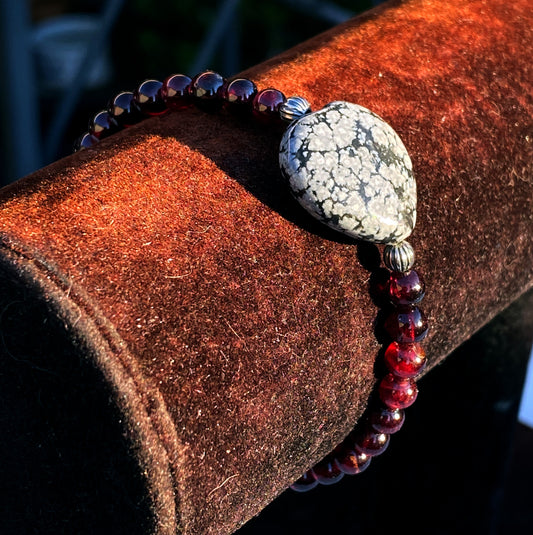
[[235, 334]]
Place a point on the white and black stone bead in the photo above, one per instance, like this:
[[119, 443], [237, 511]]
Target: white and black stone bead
[[349, 169]]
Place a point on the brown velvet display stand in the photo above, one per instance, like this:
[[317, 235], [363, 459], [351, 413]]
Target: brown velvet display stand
[[181, 339]]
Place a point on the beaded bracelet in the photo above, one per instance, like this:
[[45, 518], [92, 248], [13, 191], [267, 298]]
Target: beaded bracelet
[[349, 169]]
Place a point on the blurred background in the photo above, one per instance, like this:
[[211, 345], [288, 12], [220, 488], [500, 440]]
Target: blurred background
[[61, 60]]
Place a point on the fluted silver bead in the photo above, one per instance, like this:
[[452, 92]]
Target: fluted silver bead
[[399, 256], [294, 108]]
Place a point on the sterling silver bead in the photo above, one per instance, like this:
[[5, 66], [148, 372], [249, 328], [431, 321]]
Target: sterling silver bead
[[294, 108], [399, 256]]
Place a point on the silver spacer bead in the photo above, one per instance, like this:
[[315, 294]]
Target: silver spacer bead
[[399, 256], [294, 108]]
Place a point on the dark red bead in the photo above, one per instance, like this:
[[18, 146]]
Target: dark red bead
[[405, 360], [175, 91], [124, 110], [327, 472], [102, 125], [397, 393], [147, 98], [351, 461], [406, 288], [239, 94], [370, 441], [85, 141], [205, 89], [266, 105], [307, 482], [407, 324], [386, 420]]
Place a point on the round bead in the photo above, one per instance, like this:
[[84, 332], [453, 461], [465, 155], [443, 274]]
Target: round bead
[[307, 482], [406, 288], [399, 256], [405, 360], [407, 324], [148, 98], [266, 105], [175, 91], [85, 141], [396, 392], [124, 110], [351, 461], [327, 472], [386, 420], [239, 95], [205, 89], [102, 125], [370, 441], [294, 108]]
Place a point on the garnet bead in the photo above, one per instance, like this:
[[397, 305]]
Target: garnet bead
[[205, 89], [351, 461], [239, 95], [102, 125], [407, 324], [124, 110], [406, 288], [386, 420], [175, 91], [148, 98], [405, 360], [396, 392], [85, 141], [327, 472], [266, 105], [307, 482], [370, 441]]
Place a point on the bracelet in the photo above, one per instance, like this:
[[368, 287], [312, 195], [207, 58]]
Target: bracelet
[[350, 170]]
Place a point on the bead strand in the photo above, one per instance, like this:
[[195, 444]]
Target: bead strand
[[208, 90], [405, 360], [407, 325]]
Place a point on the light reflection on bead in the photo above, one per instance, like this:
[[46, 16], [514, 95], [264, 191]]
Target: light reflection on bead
[[307, 482], [238, 95], [148, 98], [407, 324], [124, 110], [205, 89], [102, 125], [175, 91], [406, 288], [85, 141], [351, 461], [399, 257], [405, 360], [370, 441], [327, 472], [386, 420], [294, 108], [397, 393], [266, 105]]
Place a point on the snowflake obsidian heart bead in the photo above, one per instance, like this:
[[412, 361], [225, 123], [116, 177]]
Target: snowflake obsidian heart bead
[[349, 169]]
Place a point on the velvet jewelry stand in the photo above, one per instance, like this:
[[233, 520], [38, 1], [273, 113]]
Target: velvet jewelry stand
[[180, 341]]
